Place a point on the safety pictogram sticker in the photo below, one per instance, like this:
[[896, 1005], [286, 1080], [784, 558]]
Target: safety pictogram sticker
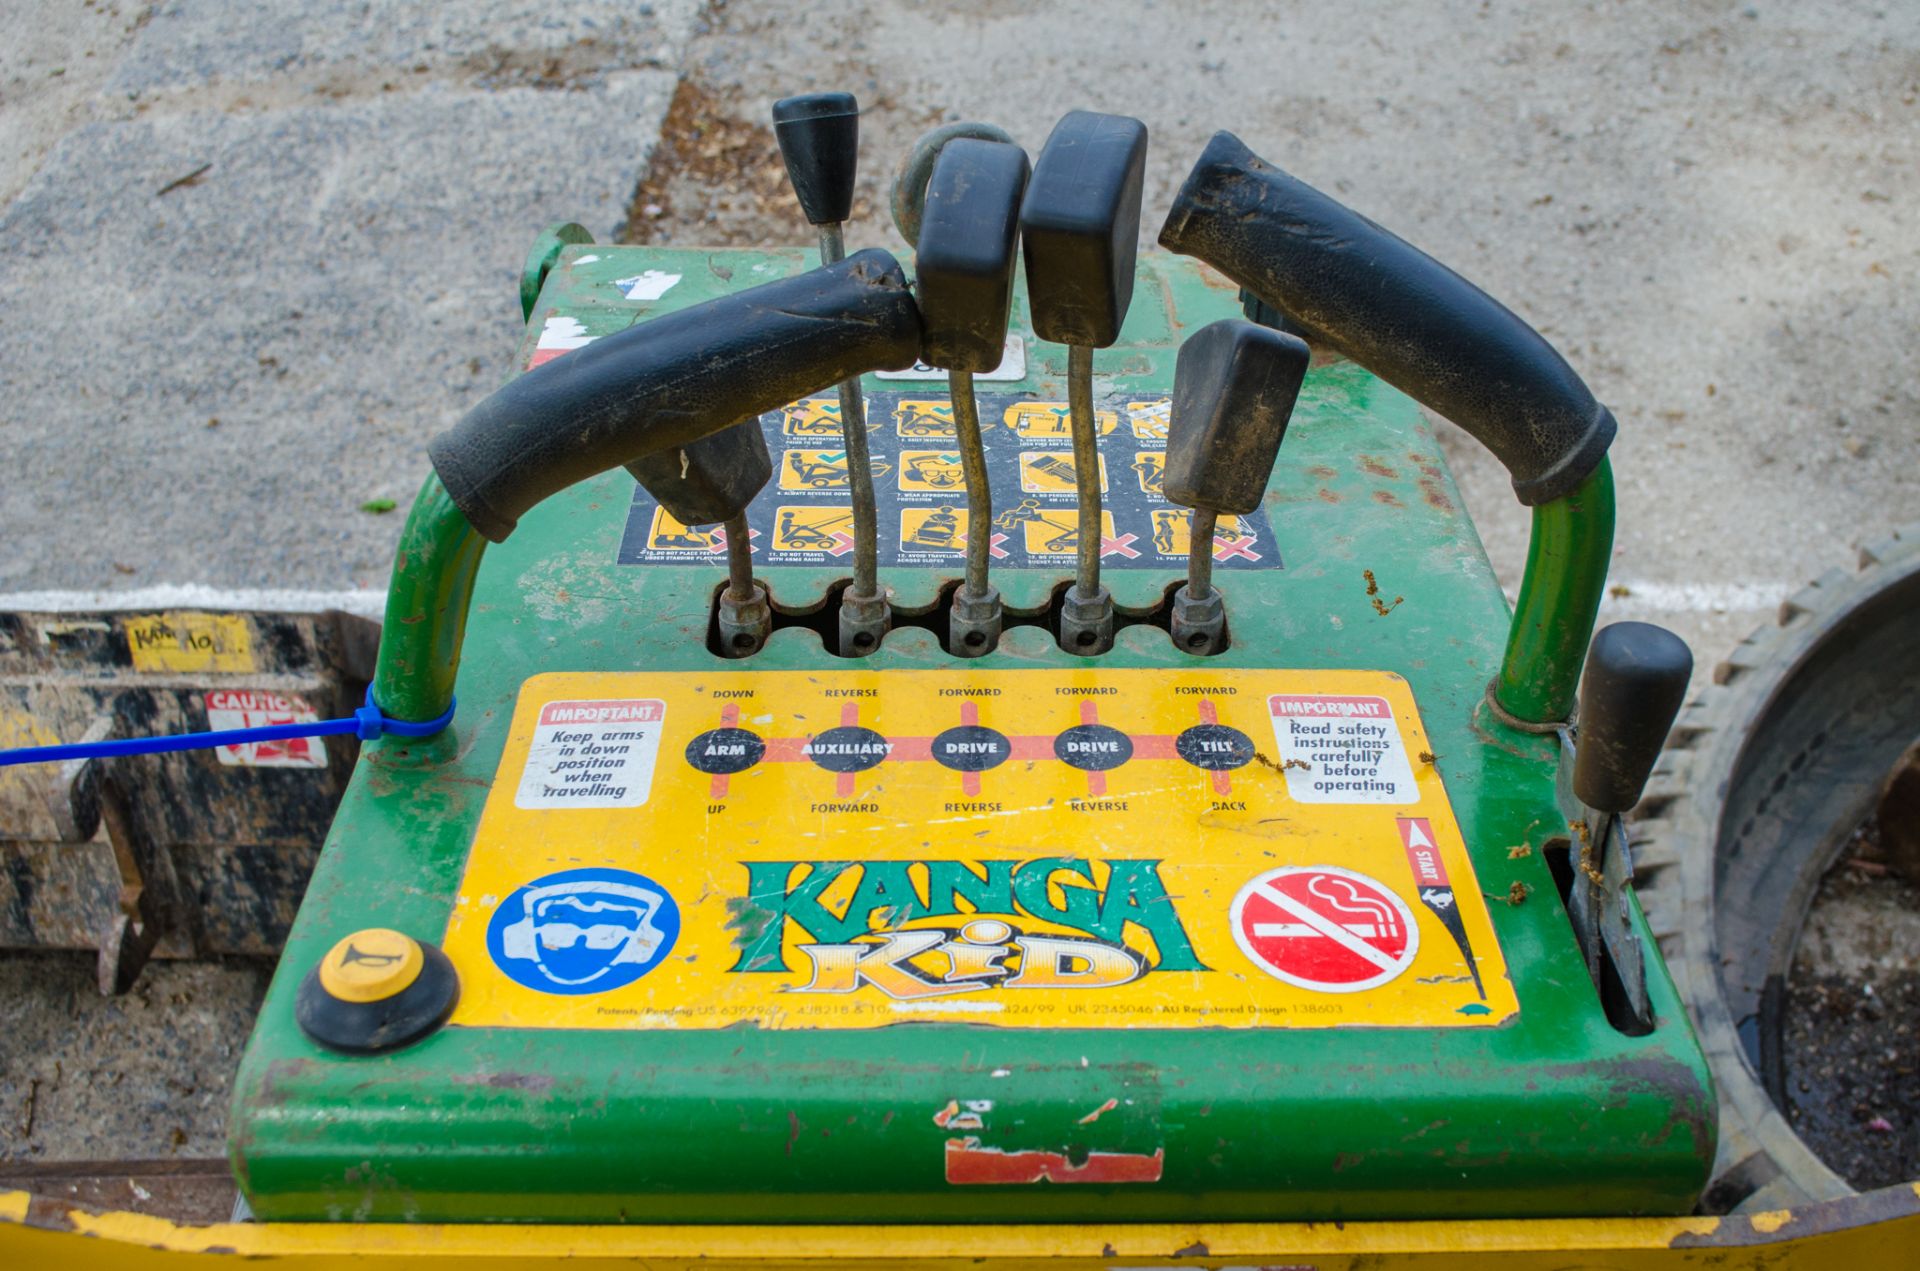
[[931, 471], [1052, 420], [814, 417], [1055, 531], [813, 470], [920, 417], [827, 529], [1150, 469], [1042, 472], [1324, 928], [1173, 534], [1149, 419], [668, 535], [583, 931], [935, 529], [916, 464]]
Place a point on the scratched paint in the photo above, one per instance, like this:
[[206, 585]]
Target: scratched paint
[[968, 1162]]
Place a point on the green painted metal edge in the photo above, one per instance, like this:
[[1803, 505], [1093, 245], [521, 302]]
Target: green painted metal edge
[[427, 601], [1560, 595]]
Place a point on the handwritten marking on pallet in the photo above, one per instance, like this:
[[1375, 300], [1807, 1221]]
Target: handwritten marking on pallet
[[878, 847], [177, 642]]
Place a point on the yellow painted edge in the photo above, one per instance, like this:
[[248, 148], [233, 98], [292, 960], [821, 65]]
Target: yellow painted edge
[[901, 1243], [904, 1244]]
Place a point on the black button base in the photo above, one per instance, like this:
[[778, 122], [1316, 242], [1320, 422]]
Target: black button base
[[372, 1028]]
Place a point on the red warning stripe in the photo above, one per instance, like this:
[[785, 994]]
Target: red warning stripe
[[1423, 851]]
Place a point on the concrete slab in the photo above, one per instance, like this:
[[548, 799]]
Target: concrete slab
[[502, 41], [205, 385]]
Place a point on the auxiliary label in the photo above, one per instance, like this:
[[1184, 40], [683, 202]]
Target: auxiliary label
[[1124, 848]]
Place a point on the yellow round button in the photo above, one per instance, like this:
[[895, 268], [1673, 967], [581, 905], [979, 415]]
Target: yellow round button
[[370, 965]]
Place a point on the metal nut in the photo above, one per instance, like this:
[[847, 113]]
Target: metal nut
[[744, 624], [863, 623], [974, 626], [1199, 626], [1086, 621]]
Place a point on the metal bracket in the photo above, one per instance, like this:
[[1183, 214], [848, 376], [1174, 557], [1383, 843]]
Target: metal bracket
[[1602, 861]]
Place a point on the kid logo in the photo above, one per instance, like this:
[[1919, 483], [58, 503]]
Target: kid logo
[[583, 931], [1119, 925]]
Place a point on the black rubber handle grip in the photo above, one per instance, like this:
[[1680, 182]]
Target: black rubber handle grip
[[1635, 681], [710, 480], [819, 136], [1396, 311], [1234, 387], [674, 380]]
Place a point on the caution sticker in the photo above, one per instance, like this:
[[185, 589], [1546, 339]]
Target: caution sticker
[[249, 708], [1090, 848]]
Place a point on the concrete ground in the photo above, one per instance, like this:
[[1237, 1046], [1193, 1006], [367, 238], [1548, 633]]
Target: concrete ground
[[257, 254]]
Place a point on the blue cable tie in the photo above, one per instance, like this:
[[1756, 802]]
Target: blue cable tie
[[368, 723]]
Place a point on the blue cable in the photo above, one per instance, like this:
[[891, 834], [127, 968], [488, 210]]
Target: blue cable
[[368, 723]]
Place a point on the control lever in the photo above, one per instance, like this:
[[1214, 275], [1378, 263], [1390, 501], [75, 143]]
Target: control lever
[[711, 481], [1234, 387], [1080, 224], [819, 136], [968, 239], [1636, 679]]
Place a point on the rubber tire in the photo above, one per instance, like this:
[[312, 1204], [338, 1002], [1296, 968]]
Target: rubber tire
[[1765, 777]]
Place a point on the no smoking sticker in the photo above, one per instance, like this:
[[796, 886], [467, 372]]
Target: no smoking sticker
[[1324, 928]]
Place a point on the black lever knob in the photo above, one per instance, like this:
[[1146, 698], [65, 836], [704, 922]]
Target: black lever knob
[[819, 136], [1081, 226], [969, 237], [710, 480], [1636, 679], [1234, 388]]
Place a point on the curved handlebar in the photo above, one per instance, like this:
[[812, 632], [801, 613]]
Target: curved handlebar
[[674, 380], [1396, 311]]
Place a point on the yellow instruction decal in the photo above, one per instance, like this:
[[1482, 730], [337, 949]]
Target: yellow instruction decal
[[1024, 849]]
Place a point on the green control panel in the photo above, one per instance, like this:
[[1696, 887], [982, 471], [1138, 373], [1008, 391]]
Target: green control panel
[[657, 935]]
